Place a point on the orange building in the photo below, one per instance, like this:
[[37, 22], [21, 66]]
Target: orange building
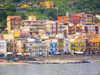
[[62, 19], [1, 36]]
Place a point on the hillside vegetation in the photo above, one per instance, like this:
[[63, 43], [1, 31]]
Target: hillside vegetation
[[92, 6]]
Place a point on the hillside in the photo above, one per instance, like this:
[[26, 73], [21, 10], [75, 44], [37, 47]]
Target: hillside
[[92, 6]]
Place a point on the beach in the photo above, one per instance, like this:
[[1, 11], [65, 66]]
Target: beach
[[13, 63], [57, 59]]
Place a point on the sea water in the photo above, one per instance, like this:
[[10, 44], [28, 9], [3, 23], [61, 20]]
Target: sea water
[[51, 69]]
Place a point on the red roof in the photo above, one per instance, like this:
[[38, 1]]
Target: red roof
[[97, 24], [14, 17], [92, 15], [78, 14]]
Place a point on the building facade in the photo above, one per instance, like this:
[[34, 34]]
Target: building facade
[[37, 48], [62, 19], [14, 23], [46, 4]]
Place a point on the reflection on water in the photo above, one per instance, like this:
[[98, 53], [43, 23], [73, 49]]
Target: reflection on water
[[51, 69]]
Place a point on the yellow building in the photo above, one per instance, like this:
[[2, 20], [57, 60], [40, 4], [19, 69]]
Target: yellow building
[[60, 45], [77, 45], [31, 17], [14, 23], [26, 5], [16, 35], [46, 4], [72, 29], [8, 36], [90, 46], [16, 46], [21, 46], [95, 44]]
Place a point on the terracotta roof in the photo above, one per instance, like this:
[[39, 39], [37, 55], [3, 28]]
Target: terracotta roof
[[92, 15], [33, 20], [62, 16], [97, 24], [78, 14], [89, 23], [14, 17]]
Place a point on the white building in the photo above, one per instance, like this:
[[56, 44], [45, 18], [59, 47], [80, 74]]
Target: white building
[[37, 48], [67, 45], [98, 16], [3, 45]]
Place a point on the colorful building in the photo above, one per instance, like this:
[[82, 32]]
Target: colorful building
[[77, 45], [88, 46], [76, 19], [67, 45], [8, 36], [55, 28], [1, 36], [38, 24], [72, 29], [62, 19], [28, 5], [37, 47], [46, 4], [92, 29], [86, 18], [53, 46], [31, 17], [18, 46], [16, 35], [92, 46], [61, 45], [3, 46], [14, 23]]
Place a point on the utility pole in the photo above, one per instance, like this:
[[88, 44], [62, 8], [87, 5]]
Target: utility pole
[[57, 9]]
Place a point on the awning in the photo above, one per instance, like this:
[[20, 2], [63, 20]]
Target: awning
[[19, 53], [26, 53], [9, 53], [2, 54], [80, 52]]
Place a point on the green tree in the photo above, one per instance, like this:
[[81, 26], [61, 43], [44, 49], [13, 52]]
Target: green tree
[[22, 14], [97, 20], [17, 1], [10, 8]]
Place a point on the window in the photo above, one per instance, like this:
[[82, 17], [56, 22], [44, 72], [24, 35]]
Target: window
[[78, 41], [74, 21], [78, 22], [66, 44], [82, 45], [89, 26], [93, 26], [82, 40], [56, 50], [86, 29], [51, 45], [19, 22], [62, 18], [55, 45], [51, 49]]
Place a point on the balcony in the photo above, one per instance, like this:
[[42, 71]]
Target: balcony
[[24, 47], [32, 24]]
